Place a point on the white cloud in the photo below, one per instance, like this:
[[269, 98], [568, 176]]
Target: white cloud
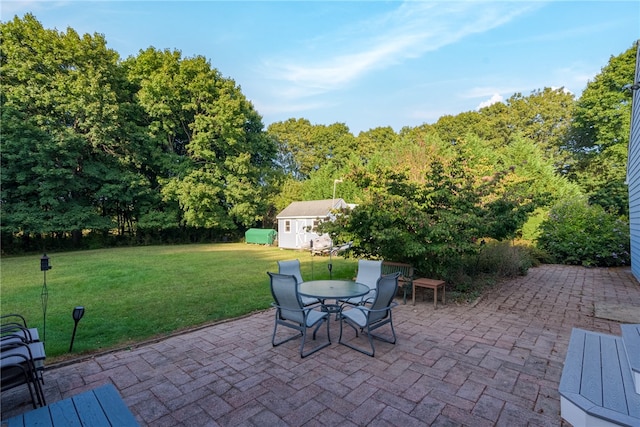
[[485, 91], [495, 98], [409, 31]]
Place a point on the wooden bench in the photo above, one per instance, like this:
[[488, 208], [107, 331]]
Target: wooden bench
[[596, 386], [101, 406], [405, 281], [431, 284]]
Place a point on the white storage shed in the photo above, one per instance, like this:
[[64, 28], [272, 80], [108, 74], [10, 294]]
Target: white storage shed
[[297, 221]]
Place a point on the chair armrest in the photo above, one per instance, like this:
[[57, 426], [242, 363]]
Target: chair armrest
[[371, 310], [301, 310]]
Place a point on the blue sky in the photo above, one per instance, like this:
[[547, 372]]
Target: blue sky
[[367, 64]]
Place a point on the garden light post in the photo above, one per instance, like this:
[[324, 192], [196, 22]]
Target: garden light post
[[44, 295], [333, 203], [333, 200], [311, 251], [77, 314]]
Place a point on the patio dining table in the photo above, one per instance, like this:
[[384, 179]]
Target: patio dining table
[[332, 290]]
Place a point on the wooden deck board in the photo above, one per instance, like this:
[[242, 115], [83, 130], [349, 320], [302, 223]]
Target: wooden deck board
[[99, 407], [596, 378]]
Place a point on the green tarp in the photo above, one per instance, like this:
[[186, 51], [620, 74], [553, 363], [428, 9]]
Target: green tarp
[[261, 236]]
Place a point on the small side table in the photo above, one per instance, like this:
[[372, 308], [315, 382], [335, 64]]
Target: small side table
[[431, 284]]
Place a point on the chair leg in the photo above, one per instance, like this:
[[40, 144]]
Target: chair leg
[[37, 387], [33, 392], [273, 337], [371, 353], [380, 337], [39, 392], [318, 327], [370, 336], [304, 336]]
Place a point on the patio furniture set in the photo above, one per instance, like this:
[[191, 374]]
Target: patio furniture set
[[364, 304]]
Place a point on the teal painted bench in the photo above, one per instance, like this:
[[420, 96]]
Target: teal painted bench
[[596, 387], [100, 407]]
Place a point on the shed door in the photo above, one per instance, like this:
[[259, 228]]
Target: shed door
[[301, 233]]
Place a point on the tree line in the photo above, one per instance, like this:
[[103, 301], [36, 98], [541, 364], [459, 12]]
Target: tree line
[[154, 148]]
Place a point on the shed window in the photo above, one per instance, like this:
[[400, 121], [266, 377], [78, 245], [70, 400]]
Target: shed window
[[287, 226]]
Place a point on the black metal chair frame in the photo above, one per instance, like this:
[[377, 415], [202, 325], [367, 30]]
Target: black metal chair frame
[[13, 323], [17, 356], [16, 333]]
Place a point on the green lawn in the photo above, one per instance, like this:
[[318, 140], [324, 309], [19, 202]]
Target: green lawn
[[133, 294]]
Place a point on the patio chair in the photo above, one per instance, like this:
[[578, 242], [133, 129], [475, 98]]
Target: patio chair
[[17, 367], [292, 267], [368, 318], [11, 323], [13, 334], [369, 271], [291, 313]]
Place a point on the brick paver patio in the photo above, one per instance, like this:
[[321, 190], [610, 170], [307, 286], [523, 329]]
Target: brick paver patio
[[496, 362]]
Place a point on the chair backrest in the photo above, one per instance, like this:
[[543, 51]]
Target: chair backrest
[[369, 272], [291, 267], [284, 289], [13, 319], [387, 288]]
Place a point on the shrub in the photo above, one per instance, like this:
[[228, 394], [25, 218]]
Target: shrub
[[494, 261], [503, 259], [578, 233]]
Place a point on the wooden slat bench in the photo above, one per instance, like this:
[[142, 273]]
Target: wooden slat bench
[[596, 387], [99, 407], [405, 281]]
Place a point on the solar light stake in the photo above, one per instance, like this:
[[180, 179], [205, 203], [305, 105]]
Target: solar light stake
[[77, 314]]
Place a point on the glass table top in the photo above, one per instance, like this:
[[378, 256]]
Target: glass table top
[[332, 289]]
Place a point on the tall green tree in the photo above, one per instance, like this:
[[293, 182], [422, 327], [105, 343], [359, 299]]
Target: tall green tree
[[216, 157], [64, 156], [303, 148], [599, 135], [374, 141], [544, 117]]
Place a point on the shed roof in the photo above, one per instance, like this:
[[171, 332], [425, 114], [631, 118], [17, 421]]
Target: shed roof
[[311, 208]]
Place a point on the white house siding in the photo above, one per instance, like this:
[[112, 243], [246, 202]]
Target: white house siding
[[633, 173]]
